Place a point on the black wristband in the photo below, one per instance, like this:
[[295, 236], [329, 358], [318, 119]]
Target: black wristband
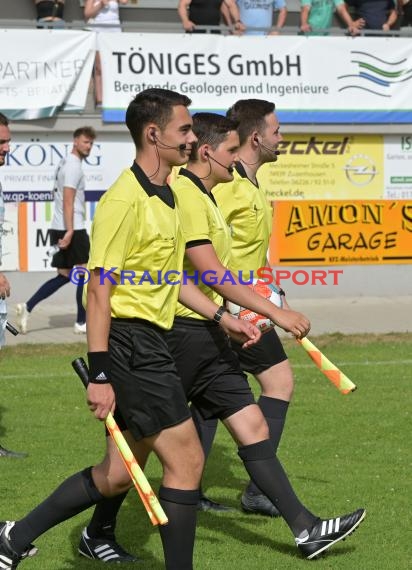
[[99, 367], [281, 292], [217, 317]]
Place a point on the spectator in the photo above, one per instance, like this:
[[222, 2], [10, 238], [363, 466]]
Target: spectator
[[316, 17], [103, 15], [50, 12], [259, 14], [207, 13], [377, 14], [67, 234], [405, 10]]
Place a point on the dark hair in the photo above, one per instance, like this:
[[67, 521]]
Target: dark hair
[[85, 131], [4, 120], [210, 128], [152, 106], [250, 114]]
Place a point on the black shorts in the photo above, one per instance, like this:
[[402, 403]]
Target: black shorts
[[209, 369], [76, 254], [267, 352], [148, 389]]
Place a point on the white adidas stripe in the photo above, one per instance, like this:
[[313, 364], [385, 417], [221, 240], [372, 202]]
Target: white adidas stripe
[[102, 547], [5, 562], [332, 525], [337, 524], [105, 552]]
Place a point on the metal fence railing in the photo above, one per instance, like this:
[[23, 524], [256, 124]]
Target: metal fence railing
[[176, 28]]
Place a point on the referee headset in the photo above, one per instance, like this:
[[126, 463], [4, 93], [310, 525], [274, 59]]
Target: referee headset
[[229, 168], [158, 143], [206, 154], [271, 150]]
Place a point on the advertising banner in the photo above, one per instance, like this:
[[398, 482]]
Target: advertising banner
[[311, 79], [341, 232], [312, 173], [398, 167], [43, 72], [326, 167], [340, 167], [28, 182]]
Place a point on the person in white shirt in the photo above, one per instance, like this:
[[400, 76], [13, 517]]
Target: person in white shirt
[[67, 231], [102, 16]]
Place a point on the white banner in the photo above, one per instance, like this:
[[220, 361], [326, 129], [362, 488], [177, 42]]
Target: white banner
[[311, 79], [43, 72]]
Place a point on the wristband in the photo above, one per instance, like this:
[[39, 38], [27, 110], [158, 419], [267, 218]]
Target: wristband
[[281, 292], [99, 367], [217, 317]]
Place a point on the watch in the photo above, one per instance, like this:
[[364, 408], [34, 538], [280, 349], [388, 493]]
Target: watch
[[217, 317]]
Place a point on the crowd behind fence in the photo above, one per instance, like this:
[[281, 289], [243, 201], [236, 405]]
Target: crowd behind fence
[[163, 16]]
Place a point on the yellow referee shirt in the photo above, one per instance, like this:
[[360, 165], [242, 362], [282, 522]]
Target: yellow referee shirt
[[136, 237], [202, 223], [249, 215]]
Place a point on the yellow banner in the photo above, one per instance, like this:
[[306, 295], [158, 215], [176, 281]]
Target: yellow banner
[[341, 232], [326, 167]]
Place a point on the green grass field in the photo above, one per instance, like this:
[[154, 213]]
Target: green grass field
[[341, 452]]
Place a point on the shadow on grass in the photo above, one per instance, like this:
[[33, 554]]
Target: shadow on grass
[[213, 529], [141, 528]]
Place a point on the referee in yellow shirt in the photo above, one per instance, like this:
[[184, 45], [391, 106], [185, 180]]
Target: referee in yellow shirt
[[211, 377], [209, 370], [136, 239], [246, 210]]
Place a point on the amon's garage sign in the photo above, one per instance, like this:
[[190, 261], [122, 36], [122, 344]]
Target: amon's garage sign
[[340, 232]]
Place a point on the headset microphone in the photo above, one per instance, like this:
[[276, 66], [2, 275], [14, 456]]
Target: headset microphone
[[230, 168], [275, 152], [180, 147]]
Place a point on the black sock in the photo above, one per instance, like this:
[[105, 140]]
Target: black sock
[[206, 430], [178, 536], [81, 311], [73, 496], [103, 521], [266, 471], [47, 289], [275, 411]]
